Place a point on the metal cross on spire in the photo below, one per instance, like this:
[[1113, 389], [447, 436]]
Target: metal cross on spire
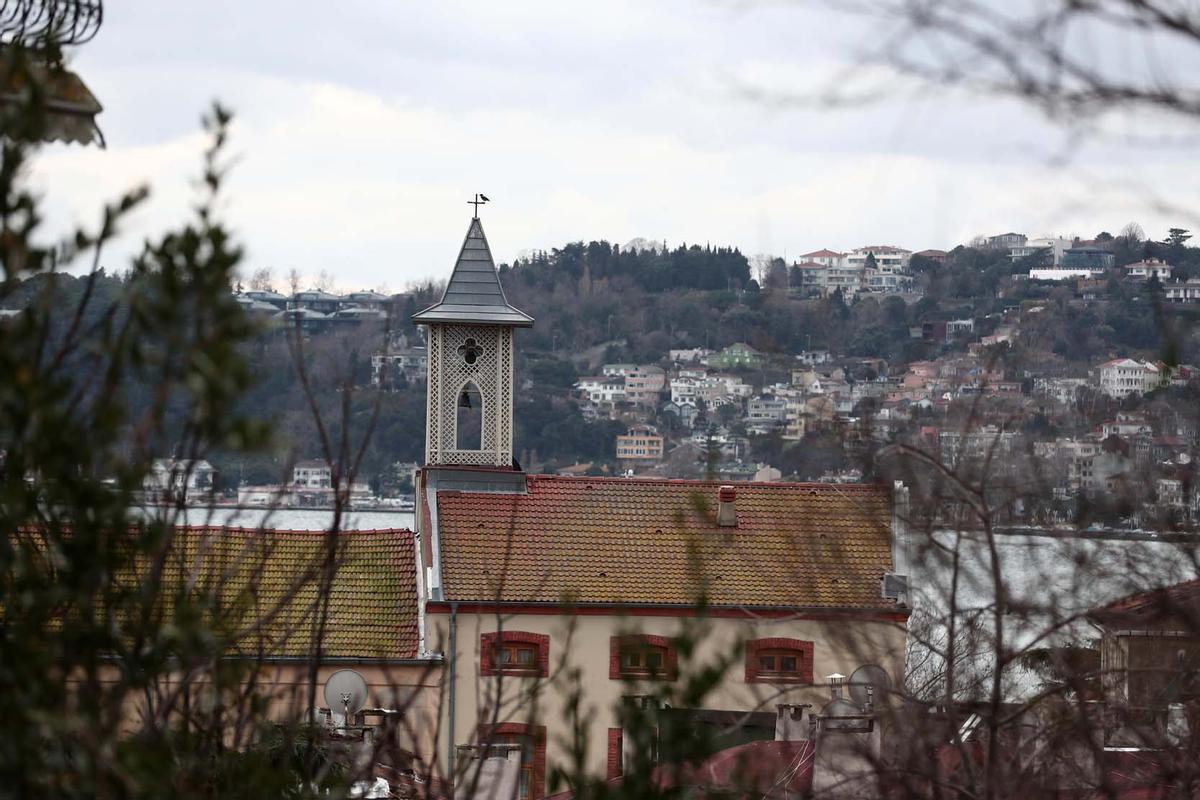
[[479, 200]]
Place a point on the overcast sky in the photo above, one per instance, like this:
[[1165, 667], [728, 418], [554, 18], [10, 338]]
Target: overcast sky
[[364, 127]]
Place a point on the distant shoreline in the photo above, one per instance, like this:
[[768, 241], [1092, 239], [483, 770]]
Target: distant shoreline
[[237, 507]]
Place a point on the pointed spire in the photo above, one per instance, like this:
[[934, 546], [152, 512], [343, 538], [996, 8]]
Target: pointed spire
[[473, 294]]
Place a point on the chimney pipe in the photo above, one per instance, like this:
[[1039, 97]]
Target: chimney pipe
[[727, 507]]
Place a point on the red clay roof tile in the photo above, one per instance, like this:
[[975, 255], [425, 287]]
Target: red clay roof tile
[[630, 541]]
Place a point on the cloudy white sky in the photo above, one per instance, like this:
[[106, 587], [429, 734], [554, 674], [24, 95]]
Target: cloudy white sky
[[363, 127]]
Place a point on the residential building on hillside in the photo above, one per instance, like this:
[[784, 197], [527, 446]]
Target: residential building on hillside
[[1087, 257], [689, 355], [947, 330], [887, 257], [370, 300], [766, 411], [825, 280], [683, 390], [1049, 249], [1062, 390], [274, 299], [178, 480], [1122, 377], [1148, 268], [257, 309], [1126, 425], [684, 413], [403, 364], [813, 357], [312, 474], [642, 443], [643, 384], [1103, 472], [1182, 291], [1006, 241], [939, 256], [882, 282], [824, 257], [606, 389], [315, 300], [738, 354]]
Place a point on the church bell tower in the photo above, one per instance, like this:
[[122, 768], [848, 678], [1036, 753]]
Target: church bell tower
[[469, 395]]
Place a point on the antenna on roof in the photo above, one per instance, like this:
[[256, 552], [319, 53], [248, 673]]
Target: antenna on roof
[[479, 200]]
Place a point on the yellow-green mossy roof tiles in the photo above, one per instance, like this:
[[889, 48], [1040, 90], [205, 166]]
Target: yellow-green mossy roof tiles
[[263, 589]]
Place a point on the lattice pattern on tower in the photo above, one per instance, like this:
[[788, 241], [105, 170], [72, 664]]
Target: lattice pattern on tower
[[461, 355]]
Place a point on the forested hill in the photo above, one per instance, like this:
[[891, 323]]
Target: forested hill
[[684, 267]]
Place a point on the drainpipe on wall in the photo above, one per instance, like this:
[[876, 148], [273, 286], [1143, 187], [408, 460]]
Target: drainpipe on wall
[[453, 659]]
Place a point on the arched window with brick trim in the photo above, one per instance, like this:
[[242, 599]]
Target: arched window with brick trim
[[642, 656], [532, 739], [779, 660], [514, 653]]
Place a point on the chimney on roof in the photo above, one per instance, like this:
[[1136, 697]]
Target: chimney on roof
[[788, 722], [727, 507]]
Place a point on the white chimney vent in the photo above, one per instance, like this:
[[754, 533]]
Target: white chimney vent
[[727, 507]]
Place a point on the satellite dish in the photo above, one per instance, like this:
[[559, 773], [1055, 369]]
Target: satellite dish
[[345, 694], [871, 675]]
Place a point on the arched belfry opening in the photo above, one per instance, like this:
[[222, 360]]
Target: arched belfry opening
[[469, 420], [469, 405]]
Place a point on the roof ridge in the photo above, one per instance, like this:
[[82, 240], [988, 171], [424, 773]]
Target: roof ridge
[[615, 479]]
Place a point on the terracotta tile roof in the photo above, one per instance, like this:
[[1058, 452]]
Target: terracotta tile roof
[[624, 540], [267, 583], [1180, 602]]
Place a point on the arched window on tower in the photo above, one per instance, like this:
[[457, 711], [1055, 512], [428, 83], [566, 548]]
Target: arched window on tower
[[469, 434]]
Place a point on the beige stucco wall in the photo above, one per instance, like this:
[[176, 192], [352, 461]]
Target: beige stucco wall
[[413, 688], [582, 642]]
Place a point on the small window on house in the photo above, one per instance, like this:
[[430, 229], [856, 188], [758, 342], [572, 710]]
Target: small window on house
[[642, 657], [643, 660], [514, 657], [515, 653], [779, 661]]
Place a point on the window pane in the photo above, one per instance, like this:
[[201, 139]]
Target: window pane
[[654, 661], [766, 663], [787, 664], [631, 659], [505, 655], [525, 656]]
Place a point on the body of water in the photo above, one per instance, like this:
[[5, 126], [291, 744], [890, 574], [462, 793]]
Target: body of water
[[293, 519]]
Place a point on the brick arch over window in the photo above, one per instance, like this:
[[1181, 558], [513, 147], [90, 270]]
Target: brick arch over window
[[488, 643], [801, 649], [617, 644], [535, 735]]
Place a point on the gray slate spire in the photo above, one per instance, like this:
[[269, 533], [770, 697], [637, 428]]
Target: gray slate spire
[[474, 294]]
